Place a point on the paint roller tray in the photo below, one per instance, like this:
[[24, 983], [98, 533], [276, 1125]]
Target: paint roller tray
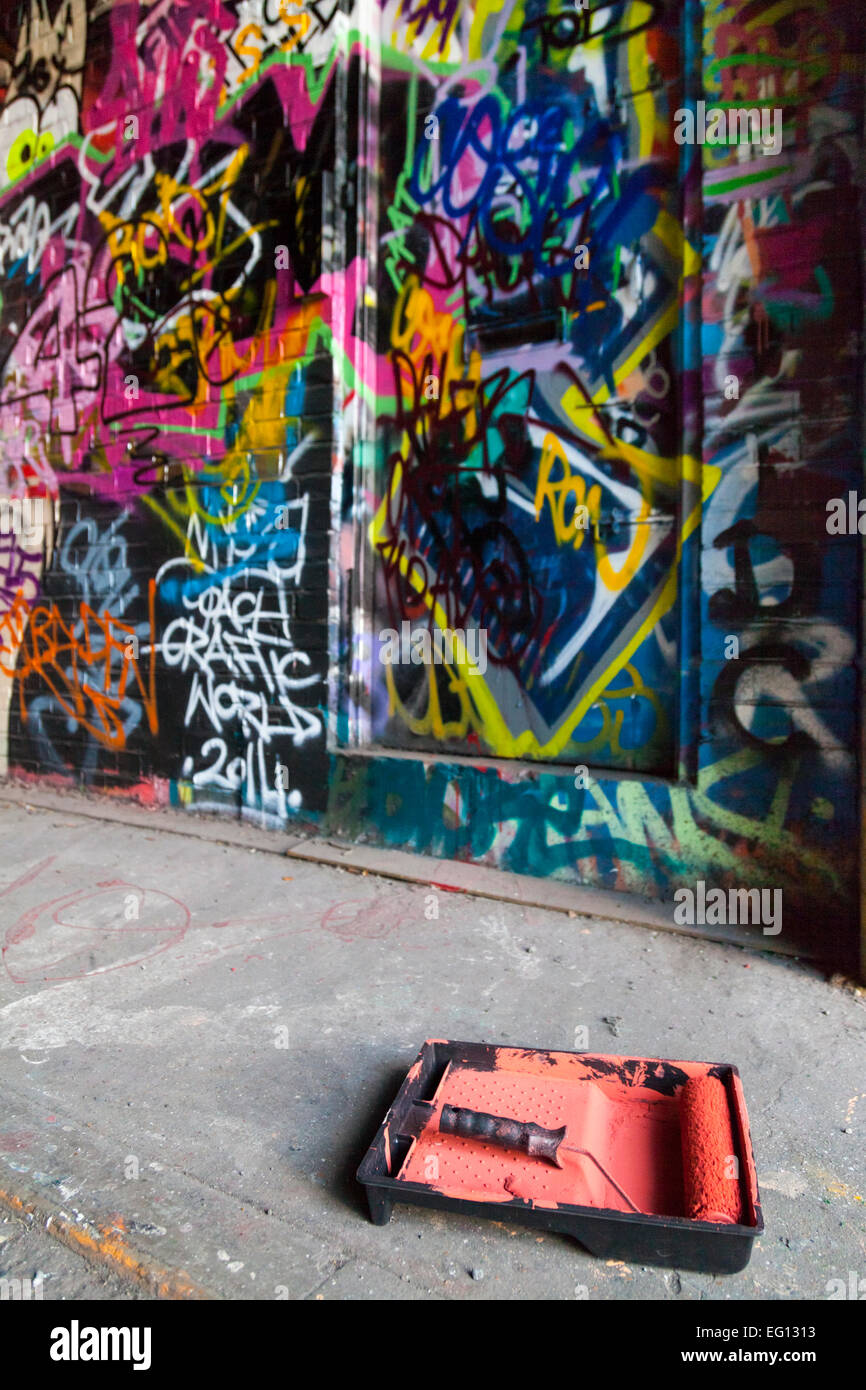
[[624, 1110]]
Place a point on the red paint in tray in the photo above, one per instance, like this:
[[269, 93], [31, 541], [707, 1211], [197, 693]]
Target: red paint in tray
[[635, 1136]]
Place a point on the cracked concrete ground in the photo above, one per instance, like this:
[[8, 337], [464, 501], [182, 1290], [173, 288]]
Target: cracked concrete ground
[[198, 1041]]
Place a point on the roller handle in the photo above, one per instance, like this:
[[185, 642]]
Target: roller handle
[[528, 1138]]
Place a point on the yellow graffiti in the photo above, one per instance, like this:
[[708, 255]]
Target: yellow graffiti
[[299, 23], [556, 492], [142, 245], [432, 722], [694, 826], [438, 36], [261, 429], [468, 721], [433, 343], [612, 720]]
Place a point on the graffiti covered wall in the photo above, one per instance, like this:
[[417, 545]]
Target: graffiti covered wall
[[165, 398], [578, 311], [325, 331]]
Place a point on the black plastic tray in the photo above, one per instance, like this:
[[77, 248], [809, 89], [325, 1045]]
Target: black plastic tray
[[671, 1242]]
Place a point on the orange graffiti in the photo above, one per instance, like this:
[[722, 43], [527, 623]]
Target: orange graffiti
[[88, 665]]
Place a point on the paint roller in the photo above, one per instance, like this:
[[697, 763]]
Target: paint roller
[[711, 1187], [710, 1166]]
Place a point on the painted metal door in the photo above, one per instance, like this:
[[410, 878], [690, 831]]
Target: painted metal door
[[529, 472]]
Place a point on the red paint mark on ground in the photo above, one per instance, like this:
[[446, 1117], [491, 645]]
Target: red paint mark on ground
[[16, 1141], [58, 939], [63, 938], [28, 876], [355, 919]]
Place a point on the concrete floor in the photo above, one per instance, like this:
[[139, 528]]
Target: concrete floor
[[198, 1041], [47, 1271]]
